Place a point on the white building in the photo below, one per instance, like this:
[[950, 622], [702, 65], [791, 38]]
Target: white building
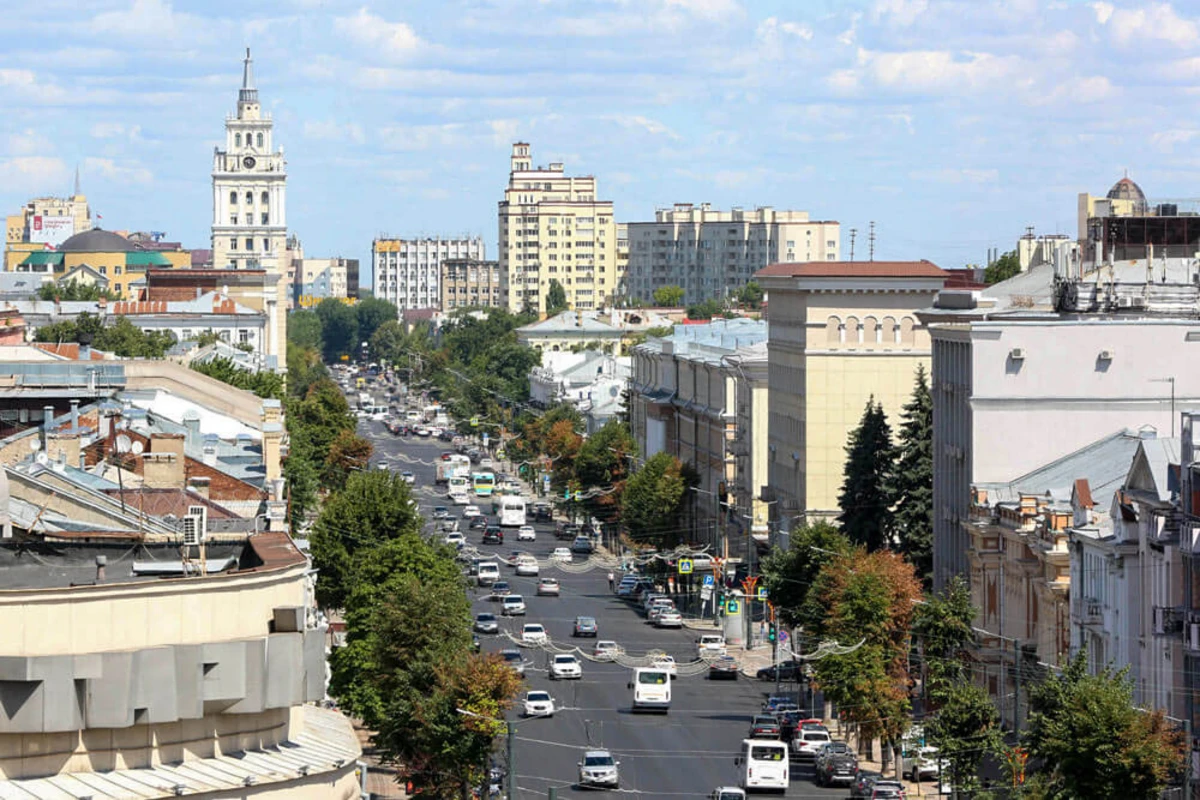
[[593, 381], [712, 254], [408, 271], [249, 179], [1025, 372]]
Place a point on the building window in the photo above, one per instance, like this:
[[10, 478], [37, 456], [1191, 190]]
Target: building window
[[266, 245], [265, 199], [233, 198], [116, 270], [264, 218], [249, 243], [233, 244], [103, 270], [233, 219], [243, 337], [259, 140], [237, 140], [249, 198]]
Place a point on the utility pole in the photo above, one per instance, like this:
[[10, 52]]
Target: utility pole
[[871, 241], [853, 236], [512, 767]]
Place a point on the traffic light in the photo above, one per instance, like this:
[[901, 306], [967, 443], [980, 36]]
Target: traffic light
[[771, 632], [566, 494]]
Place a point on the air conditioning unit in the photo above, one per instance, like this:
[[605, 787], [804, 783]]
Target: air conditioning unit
[[193, 533], [1017, 354], [1106, 355]]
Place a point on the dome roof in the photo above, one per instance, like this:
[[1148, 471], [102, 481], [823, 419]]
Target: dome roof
[[1126, 189], [98, 241]]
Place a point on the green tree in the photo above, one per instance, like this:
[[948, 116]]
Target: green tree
[[791, 574], [73, 290], [668, 296], [603, 461], [1003, 268], [943, 626], [374, 507], [556, 298], [653, 500], [263, 384], [349, 452], [391, 342], [965, 729], [866, 514], [371, 313], [304, 329], [304, 369], [1092, 740], [910, 482], [751, 296], [706, 309], [339, 329]]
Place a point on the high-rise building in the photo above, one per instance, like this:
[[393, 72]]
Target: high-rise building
[[408, 271], [469, 283], [552, 228], [712, 254], [249, 227]]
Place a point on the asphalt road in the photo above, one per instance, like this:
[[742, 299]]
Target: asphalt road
[[685, 753]]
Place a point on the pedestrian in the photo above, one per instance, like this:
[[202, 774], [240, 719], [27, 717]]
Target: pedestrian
[[611, 580]]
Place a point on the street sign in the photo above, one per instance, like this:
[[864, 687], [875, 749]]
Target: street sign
[[783, 637], [705, 594], [685, 566], [578, 497], [732, 606], [545, 484], [474, 422], [485, 439], [709, 581], [762, 593]]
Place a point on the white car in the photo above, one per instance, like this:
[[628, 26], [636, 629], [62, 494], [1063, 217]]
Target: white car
[[459, 499], [808, 741], [539, 704], [665, 662], [606, 650], [599, 769], [512, 605], [921, 763], [710, 645], [527, 567], [561, 554], [421, 430], [565, 667], [526, 533], [533, 633], [668, 618], [455, 539], [471, 511], [548, 587], [408, 477]]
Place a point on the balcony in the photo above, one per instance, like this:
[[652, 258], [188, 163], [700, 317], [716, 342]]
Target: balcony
[[1092, 612], [1167, 620]]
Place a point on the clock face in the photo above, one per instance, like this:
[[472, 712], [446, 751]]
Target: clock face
[[248, 162]]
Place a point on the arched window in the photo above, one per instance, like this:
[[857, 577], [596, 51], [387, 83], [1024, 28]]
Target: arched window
[[907, 335], [870, 330], [249, 198], [833, 330], [889, 332], [258, 140], [237, 140], [233, 198], [853, 330], [266, 198]]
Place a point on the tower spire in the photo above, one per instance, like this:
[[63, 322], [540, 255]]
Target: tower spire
[[77, 180], [248, 93]]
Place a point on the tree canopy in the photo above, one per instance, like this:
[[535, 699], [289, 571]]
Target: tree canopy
[[304, 329], [790, 575], [910, 481], [372, 313], [264, 384], [1003, 268], [556, 298], [653, 501], [866, 510], [74, 290], [120, 337], [339, 329], [668, 296]]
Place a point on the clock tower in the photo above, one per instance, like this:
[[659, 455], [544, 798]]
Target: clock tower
[[249, 227]]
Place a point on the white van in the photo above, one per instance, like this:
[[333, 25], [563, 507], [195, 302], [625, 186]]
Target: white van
[[489, 573], [651, 689], [764, 765]]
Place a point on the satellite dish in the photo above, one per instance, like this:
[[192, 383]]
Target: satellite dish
[[123, 443], [138, 448]]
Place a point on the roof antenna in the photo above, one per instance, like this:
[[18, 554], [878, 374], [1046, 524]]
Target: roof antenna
[[76, 180]]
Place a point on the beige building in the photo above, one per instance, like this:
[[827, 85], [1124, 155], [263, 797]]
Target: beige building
[[553, 227], [469, 283], [841, 333], [49, 220], [711, 254], [408, 271]]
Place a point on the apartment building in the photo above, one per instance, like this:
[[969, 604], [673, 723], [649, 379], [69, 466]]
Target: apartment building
[[470, 283], [408, 271], [553, 228], [712, 254]]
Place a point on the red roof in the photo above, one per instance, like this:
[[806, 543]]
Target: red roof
[[70, 350], [853, 269]]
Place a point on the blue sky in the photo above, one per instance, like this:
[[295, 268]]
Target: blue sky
[[952, 125]]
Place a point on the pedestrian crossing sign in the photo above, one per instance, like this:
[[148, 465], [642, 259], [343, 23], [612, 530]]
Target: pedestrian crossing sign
[[762, 593], [685, 566], [731, 606]]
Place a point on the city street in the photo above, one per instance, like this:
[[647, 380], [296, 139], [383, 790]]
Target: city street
[[686, 753]]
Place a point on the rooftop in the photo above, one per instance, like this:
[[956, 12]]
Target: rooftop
[[853, 269]]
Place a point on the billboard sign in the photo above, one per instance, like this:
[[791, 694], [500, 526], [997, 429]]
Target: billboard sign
[[51, 230]]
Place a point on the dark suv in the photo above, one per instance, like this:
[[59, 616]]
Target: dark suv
[[837, 763], [493, 535]]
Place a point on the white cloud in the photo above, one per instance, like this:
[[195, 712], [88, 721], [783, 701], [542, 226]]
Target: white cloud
[[706, 9], [28, 143], [155, 19], [773, 32], [332, 131], [638, 122], [1156, 22], [116, 130], [902, 12], [130, 172], [34, 174], [504, 131], [392, 40], [1167, 140], [929, 71]]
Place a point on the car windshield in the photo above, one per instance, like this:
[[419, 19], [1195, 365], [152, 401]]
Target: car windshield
[[763, 721], [534, 629], [564, 659], [511, 655], [766, 753], [731, 796], [652, 678], [513, 599], [815, 736], [538, 697], [549, 582], [486, 618], [598, 761]]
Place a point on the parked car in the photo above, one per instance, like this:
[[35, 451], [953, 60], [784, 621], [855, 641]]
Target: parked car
[[486, 623], [566, 530], [548, 587], [783, 671], [888, 790], [710, 645], [807, 741], [763, 727], [598, 768], [539, 704], [585, 626], [669, 618], [565, 667], [582, 545], [920, 763], [526, 533], [723, 668], [863, 783], [542, 512]]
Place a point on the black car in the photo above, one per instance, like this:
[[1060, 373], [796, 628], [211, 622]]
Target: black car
[[493, 535], [542, 512], [785, 671], [863, 784], [764, 727], [566, 530], [477, 523]]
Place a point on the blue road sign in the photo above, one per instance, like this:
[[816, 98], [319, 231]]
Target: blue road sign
[[708, 580], [732, 607]]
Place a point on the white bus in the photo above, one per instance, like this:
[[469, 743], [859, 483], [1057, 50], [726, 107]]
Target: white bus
[[764, 764], [651, 689], [459, 484], [512, 511]]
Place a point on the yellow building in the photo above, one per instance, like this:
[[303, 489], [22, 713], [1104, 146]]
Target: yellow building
[[840, 333], [119, 260], [552, 228]]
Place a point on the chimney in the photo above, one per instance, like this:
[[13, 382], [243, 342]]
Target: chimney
[[201, 485], [191, 421], [165, 464], [47, 421], [74, 416], [101, 563], [272, 447]]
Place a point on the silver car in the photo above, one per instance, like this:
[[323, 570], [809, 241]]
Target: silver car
[[599, 769]]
